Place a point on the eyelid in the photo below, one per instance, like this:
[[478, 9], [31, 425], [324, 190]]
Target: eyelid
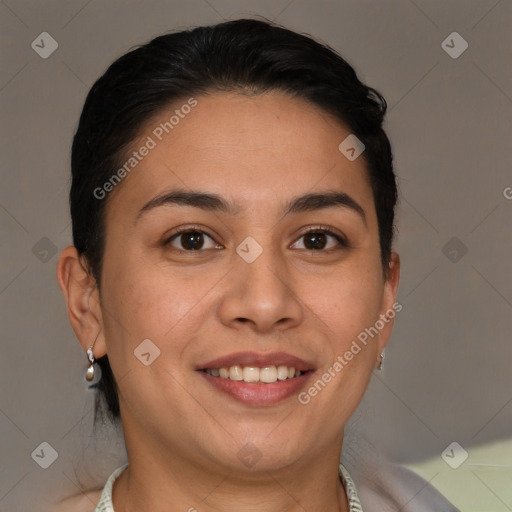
[[329, 230], [187, 229]]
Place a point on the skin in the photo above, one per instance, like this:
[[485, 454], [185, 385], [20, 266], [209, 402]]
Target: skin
[[259, 152]]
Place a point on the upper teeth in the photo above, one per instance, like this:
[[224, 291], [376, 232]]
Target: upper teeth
[[267, 374]]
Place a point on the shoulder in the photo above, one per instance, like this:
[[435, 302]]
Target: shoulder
[[393, 487], [84, 502]]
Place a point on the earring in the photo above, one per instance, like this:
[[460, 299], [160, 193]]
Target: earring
[[381, 364], [89, 374]]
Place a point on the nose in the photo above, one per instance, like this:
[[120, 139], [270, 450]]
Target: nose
[[260, 295]]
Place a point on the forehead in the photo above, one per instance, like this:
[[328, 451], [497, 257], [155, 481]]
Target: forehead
[[252, 149]]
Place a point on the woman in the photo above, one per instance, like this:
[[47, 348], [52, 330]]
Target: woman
[[232, 272]]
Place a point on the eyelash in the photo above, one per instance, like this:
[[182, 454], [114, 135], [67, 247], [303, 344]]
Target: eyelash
[[326, 230]]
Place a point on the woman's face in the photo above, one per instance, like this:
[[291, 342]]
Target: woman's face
[[248, 288]]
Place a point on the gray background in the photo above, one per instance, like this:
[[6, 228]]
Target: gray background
[[447, 373]]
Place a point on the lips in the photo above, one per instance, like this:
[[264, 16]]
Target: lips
[[257, 379]]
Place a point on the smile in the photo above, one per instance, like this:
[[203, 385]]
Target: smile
[[257, 379], [253, 374]]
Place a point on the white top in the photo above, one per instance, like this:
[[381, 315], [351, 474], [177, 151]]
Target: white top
[[105, 503]]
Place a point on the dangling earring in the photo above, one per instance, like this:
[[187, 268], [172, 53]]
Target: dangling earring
[[89, 374], [381, 364]]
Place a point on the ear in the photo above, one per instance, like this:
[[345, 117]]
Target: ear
[[82, 299], [390, 307]]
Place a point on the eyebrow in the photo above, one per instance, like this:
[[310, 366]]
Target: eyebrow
[[204, 201], [320, 201], [215, 203]]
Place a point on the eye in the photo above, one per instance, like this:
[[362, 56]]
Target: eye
[[191, 240], [318, 239]]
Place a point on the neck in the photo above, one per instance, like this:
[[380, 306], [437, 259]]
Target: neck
[[159, 481]]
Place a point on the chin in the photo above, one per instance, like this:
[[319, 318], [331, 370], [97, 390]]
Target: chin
[[259, 453]]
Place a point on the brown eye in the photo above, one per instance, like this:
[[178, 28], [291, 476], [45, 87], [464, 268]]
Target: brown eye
[[192, 240], [315, 240], [318, 240]]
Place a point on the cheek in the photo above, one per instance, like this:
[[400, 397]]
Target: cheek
[[346, 304], [148, 300], [342, 309]]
